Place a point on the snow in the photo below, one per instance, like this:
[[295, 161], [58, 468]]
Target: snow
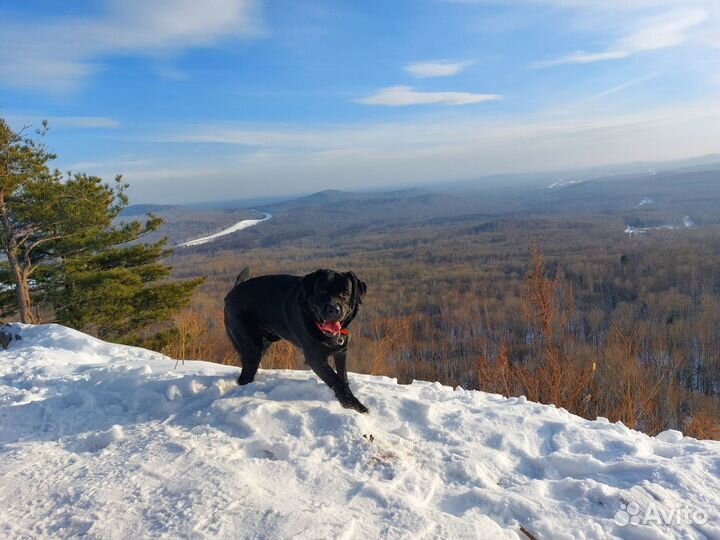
[[4, 287], [687, 223], [564, 183], [645, 201], [106, 441], [239, 226]]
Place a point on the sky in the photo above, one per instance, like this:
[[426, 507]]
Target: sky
[[226, 99]]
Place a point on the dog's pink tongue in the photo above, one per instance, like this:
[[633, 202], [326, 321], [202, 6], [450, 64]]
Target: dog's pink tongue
[[331, 327]]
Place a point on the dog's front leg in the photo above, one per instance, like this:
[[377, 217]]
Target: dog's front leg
[[341, 365], [319, 364]]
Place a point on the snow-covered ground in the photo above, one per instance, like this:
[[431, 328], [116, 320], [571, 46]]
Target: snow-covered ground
[[564, 183], [645, 201], [687, 223], [239, 226], [106, 441]]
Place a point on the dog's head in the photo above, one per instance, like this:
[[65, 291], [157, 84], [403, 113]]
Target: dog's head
[[333, 298]]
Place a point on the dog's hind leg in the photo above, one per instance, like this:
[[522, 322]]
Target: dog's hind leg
[[250, 345], [250, 358]]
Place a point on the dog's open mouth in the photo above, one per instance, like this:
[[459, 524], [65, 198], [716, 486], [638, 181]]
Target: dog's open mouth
[[331, 328]]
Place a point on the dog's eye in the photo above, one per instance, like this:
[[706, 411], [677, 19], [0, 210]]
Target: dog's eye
[[323, 292]]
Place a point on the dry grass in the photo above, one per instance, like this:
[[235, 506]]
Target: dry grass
[[703, 425], [201, 336]]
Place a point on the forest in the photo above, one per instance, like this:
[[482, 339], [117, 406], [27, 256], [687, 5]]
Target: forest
[[562, 307]]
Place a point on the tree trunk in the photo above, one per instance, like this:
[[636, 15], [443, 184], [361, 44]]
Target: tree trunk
[[22, 291], [22, 287]]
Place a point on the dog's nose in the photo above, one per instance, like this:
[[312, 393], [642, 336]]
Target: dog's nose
[[332, 310]]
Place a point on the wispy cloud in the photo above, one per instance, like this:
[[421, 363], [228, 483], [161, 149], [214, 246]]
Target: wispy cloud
[[623, 86], [452, 133], [582, 57], [619, 5], [658, 32], [403, 96], [64, 122], [314, 157], [123, 163], [86, 122], [56, 54], [442, 68]]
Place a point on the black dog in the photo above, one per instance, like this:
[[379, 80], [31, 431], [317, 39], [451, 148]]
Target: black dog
[[311, 312]]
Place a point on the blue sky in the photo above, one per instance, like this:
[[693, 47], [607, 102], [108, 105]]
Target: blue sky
[[224, 99]]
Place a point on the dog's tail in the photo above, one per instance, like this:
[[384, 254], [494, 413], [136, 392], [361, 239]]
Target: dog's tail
[[244, 275]]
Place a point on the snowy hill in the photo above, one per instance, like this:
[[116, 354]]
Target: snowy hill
[[106, 441]]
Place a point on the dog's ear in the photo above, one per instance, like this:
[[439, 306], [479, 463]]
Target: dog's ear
[[308, 283], [359, 287]]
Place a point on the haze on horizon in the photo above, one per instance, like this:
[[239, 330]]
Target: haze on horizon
[[230, 99]]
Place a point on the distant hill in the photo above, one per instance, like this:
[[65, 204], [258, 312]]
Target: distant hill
[[332, 196], [142, 209], [692, 190], [521, 180]]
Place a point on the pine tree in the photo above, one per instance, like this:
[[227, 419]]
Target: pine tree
[[28, 214], [114, 289], [66, 250]]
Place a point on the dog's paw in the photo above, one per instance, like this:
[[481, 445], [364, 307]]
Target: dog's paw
[[348, 400], [359, 407], [242, 381], [354, 404]]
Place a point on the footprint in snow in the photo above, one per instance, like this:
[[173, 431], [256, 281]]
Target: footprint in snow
[[267, 450]]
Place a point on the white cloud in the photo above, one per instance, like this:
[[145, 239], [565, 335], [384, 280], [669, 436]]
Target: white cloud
[[582, 57], [402, 96], [640, 25], [667, 30], [56, 54], [435, 69], [658, 32]]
